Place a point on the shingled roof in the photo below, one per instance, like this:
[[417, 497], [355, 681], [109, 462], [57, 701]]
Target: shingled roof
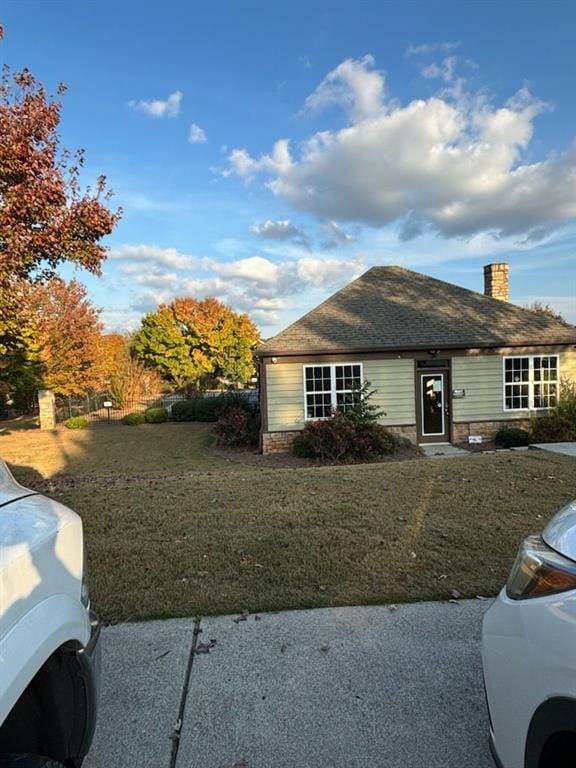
[[391, 308]]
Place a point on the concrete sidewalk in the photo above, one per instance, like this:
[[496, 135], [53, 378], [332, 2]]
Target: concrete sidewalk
[[567, 449], [331, 688]]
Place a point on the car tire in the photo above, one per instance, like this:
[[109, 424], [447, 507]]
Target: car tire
[[27, 761]]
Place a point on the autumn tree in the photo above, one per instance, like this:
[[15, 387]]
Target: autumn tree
[[111, 354], [46, 219], [547, 311], [64, 329], [191, 340]]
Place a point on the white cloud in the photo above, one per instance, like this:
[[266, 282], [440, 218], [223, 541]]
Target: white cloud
[[148, 255], [283, 229], [444, 71], [259, 286], [353, 85], [197, 135], [169, 107], [243, 165], [425, 49], [452, 164], [335, 235], [254, 268]]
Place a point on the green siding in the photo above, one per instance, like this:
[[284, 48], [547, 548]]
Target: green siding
[[393, 381], [483, 379]]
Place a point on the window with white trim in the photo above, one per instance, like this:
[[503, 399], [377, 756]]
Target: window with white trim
[[530, 382], [329, 388]]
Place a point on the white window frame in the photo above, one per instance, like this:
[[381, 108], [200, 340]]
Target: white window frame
[[333, 390], [530, 382]]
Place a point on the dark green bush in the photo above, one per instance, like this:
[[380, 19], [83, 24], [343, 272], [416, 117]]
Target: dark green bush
[[197, 409], [133, 419], [238, 427], [76, 422], [184, 410], [211, 408], [553, 429], [340, 439], [156, 415], [512, 437], [208, 408]]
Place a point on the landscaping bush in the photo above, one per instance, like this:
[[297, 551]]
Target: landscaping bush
[[553, 429], [208, 408], [197, 409], [566, 405], [351, 436], [238, 427], [133, 419], [184, 410], [512, 437], [156, 415], [76, 422], [340, 439]]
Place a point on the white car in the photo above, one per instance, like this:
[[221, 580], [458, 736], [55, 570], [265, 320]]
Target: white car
[[48, 636], [529, 653]]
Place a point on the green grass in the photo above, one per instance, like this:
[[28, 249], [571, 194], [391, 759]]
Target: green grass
[[182, 531]]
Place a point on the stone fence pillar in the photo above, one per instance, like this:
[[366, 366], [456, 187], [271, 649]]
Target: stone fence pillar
[[47, 409]]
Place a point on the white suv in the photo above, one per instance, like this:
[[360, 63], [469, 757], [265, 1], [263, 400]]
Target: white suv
[[48, 636], [529, 653]]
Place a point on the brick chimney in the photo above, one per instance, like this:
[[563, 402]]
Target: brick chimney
[[497, 281]]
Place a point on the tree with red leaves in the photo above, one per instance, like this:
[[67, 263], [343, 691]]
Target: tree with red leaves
[[46, 219]]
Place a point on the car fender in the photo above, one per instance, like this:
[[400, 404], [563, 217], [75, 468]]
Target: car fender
[[56, 621]]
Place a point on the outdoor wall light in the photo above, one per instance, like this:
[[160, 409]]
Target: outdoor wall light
[[274, 359]]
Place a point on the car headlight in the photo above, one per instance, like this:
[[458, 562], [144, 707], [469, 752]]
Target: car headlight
[[539, 570]]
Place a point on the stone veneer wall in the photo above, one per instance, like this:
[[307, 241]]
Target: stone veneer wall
[[487, 429], [281, 442], [278, 442]]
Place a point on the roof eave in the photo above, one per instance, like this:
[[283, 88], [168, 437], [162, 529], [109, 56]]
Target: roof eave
[[265, 352]]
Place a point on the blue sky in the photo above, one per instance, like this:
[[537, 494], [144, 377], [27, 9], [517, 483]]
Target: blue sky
[[267, 153]]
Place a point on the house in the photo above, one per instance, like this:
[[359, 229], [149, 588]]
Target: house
[[445, 362]]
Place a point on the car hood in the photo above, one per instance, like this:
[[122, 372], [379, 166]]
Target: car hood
[[560, 533], [10, 490], [41, 550]]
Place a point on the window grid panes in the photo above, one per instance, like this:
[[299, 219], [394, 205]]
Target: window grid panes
[[331, 387], [318, 391], [530, 382]]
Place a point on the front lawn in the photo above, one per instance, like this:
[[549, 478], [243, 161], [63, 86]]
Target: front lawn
[[182, 531]]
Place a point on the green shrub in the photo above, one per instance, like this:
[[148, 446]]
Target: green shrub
[[133, 419], [76, 422], [238, 427], [512, 437], [156, 415], [208, 408], [184, 410], [553, 429], [566, 405], [340, 439]]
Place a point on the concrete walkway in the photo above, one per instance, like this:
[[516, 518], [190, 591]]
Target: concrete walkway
[[331, 688], [568, 449], [442, 450]]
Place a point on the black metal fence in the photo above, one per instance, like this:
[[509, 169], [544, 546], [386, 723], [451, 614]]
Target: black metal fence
[[102, 408]]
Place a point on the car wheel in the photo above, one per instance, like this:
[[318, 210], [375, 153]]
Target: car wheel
[[27, 761]]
